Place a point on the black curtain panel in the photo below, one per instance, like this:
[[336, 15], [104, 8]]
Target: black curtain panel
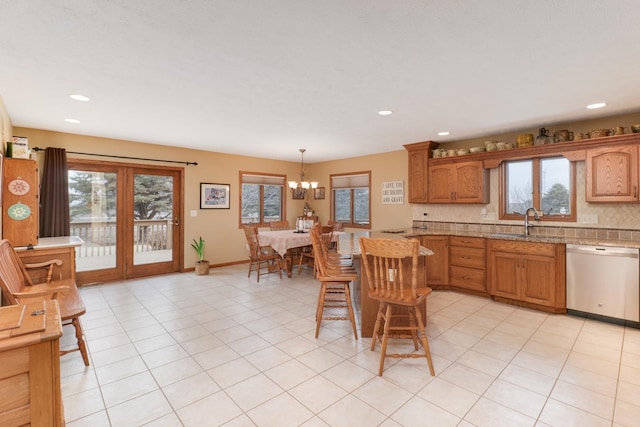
[[54, 194]]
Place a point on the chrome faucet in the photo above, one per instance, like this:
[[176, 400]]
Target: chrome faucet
[[526, 219]]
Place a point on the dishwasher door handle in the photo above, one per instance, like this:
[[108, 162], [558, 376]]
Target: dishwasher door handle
[[603, 251]]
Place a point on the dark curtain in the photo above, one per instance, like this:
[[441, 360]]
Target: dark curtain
[[54, 194]]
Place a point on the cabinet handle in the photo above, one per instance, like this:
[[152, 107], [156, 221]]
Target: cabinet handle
[[465, 257]]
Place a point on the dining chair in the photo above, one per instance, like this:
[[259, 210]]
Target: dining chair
[[334, 285], [279, 225], [391, 267], [18, 288], [261, 257], [308, 257]]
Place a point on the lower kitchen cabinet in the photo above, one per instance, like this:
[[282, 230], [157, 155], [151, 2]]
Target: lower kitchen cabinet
[[438, 263], [531, 274], [467, 263]]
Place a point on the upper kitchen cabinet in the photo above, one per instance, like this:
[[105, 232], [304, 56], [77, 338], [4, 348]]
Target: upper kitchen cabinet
[[418, 161], [465, 182], [20, 201], [612, 174]]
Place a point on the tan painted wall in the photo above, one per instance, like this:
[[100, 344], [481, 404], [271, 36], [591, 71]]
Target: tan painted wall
[[224, 240]]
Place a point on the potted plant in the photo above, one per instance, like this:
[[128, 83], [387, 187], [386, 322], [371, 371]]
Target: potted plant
[[202, 266]]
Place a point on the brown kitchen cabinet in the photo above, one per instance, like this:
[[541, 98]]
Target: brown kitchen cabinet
[[466, 182], [438, 263], [527, 273], [612, 174], [467, 263], [419, 154], [20, 201]]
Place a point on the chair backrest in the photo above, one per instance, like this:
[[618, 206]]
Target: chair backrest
[[251, 233], [13, 275], [327, 235], [382, 260], [337, 226], [279, 225], [319, 250]]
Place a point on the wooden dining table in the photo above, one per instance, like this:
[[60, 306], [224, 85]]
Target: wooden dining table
[[283, 241]]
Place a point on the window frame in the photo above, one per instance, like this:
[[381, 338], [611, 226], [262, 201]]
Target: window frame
[[332, 202], [266, 176], [537, 195]]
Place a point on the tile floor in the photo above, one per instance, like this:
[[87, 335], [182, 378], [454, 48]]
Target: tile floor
[[187, 350]]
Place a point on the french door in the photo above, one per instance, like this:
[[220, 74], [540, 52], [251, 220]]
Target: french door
[[129, 218]]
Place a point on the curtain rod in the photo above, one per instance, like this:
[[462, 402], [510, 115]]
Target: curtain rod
[[123, 157]]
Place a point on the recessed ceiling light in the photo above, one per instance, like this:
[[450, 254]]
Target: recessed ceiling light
[[444, 133], [385, 112], [596, 105], [79, 97], [72, 120]]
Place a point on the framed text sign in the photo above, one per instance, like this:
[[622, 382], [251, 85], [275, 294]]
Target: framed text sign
[[393, 193]]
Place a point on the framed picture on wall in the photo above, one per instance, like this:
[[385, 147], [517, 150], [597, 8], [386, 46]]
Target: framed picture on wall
[[318, 193], [214, 196]]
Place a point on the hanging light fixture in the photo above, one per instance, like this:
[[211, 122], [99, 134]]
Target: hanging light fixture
[[299, 188]]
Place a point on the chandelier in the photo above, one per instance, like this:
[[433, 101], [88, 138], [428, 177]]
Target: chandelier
[[299, 188]]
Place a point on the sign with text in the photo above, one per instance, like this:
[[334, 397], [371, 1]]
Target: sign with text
[[393, 193]]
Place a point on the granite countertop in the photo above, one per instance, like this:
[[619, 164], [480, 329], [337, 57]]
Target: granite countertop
[[520, 237], [348, 243]]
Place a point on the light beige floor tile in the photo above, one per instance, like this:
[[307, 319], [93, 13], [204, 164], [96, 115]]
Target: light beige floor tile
[[631, 359], [540, 364], [556, 413], [240, 421], [600, 351], [498, 351], [243, 393], [189, 390], [270, 413], [119, 370], [213, 410], [467, 378], [216, 356], [486, 413], [201, 344], [128, 388], [267, 358], [76, 383], [626, 414], [531, 380], [169, 420], [351, 411], [140, 410], [449, 397], [482, 363], [82, 404], [232, 372], [420, 413], [164, 355], [98, 419], [628, 392], [291, 373], [175, 371], [320, 359], [348, 375], [594, 364], [630, 374], [383, 395], [106, 343], [586, 400], [517, 398], [317, 394], [589, 380]]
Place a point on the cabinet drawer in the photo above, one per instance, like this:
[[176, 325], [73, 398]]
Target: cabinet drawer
[[468, 278], [469, 242], [467, 257]]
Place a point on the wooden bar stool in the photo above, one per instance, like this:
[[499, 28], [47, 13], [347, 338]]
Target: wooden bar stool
[[398, 294]]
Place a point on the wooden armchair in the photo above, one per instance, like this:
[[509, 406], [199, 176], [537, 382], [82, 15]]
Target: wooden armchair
[[17, 288]]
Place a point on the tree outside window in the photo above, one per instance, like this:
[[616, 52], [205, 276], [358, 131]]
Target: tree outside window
[[350, 199], [261, 198]]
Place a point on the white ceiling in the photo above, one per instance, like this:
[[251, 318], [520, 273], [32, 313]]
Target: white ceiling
[[265, 78]]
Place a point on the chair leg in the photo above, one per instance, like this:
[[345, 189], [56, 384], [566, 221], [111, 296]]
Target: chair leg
[[352, 317], [376, 327], [81, 344], [425, 343], [413, 327], [320, 308], [385, 338]]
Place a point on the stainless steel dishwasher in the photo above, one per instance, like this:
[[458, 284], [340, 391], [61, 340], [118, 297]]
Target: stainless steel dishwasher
[[603, 283]]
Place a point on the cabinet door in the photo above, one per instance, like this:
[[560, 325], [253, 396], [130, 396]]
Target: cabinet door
[[441, 180], [470, 183], [20, 202], [612, 176], [538, 279], [438, 263], [504, 278], [418, 176]]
